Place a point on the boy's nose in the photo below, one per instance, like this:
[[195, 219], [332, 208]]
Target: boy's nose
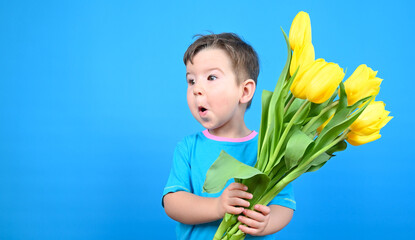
[[197, 90]]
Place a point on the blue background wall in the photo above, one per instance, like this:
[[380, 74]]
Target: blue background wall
[[92, 103]]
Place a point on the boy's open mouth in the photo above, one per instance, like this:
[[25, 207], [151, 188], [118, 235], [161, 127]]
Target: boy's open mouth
[[202, 109]]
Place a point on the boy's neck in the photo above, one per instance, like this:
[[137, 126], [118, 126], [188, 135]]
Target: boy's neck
[[234, 132]]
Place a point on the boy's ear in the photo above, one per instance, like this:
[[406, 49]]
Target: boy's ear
[[248, 88]]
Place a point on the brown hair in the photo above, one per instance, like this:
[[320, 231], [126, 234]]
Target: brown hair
[[244, 58]]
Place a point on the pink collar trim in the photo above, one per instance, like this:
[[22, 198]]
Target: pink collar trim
[[225, 139]]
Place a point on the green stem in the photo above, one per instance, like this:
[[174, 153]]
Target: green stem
[[276, 173], [239, 232], [285, 133], [234, 229], [267, 197], [223, 227], [289, 103], [314, 119]]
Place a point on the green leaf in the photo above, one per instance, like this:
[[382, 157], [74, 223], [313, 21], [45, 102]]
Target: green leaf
[[321, 119], [343, 96], [265, 152], [288, 98], [264, 129], [318, 162], [341, 146], [275, 114], [226, 167], [279, 111], [276, 109], [276, 173], [340, 113], [266, 98], [323, 158], [341, 120], [277, 160], [303, 115], [296, 147], [315, 168]]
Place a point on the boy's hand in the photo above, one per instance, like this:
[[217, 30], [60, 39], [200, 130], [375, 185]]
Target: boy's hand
[[233, 200], [255, 221]]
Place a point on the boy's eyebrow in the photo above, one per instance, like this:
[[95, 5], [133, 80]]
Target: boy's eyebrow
[[210, 69], [215, 68]]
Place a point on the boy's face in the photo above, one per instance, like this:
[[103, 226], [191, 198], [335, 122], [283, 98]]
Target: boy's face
[[213, 94]]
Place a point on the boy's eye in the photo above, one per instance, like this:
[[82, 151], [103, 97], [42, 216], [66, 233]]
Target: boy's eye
[[212, 77], [191, 81]]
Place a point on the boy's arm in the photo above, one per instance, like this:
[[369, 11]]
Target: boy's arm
[[279, 218], [265, 220], [189, 208]]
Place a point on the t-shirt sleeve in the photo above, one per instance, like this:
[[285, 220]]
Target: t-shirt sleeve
[[285, 198], [179, 178]]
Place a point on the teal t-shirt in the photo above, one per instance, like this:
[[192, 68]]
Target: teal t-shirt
[[193, 157]]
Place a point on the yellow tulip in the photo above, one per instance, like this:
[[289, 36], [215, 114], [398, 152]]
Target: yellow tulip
[[357, 140], [300, 31], [367, 126], [302, 80], [324, 83], [302, 56], [372, 119], [362, 83]]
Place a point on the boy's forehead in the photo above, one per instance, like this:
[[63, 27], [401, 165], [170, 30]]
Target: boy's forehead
[[210, 59]]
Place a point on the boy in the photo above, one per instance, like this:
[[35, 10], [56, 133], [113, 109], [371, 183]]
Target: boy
[[222, 71]]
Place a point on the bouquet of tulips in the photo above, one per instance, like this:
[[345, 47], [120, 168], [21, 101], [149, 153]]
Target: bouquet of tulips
[[309, 116]]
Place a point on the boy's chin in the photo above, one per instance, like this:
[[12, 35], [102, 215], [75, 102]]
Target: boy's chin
[[207, 124]]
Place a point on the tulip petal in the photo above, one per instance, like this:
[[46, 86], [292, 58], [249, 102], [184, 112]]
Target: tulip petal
[[324, 83], [300, 31], [362, 83], [357, 140], [302, 56], [373, 118], [300, 84]]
